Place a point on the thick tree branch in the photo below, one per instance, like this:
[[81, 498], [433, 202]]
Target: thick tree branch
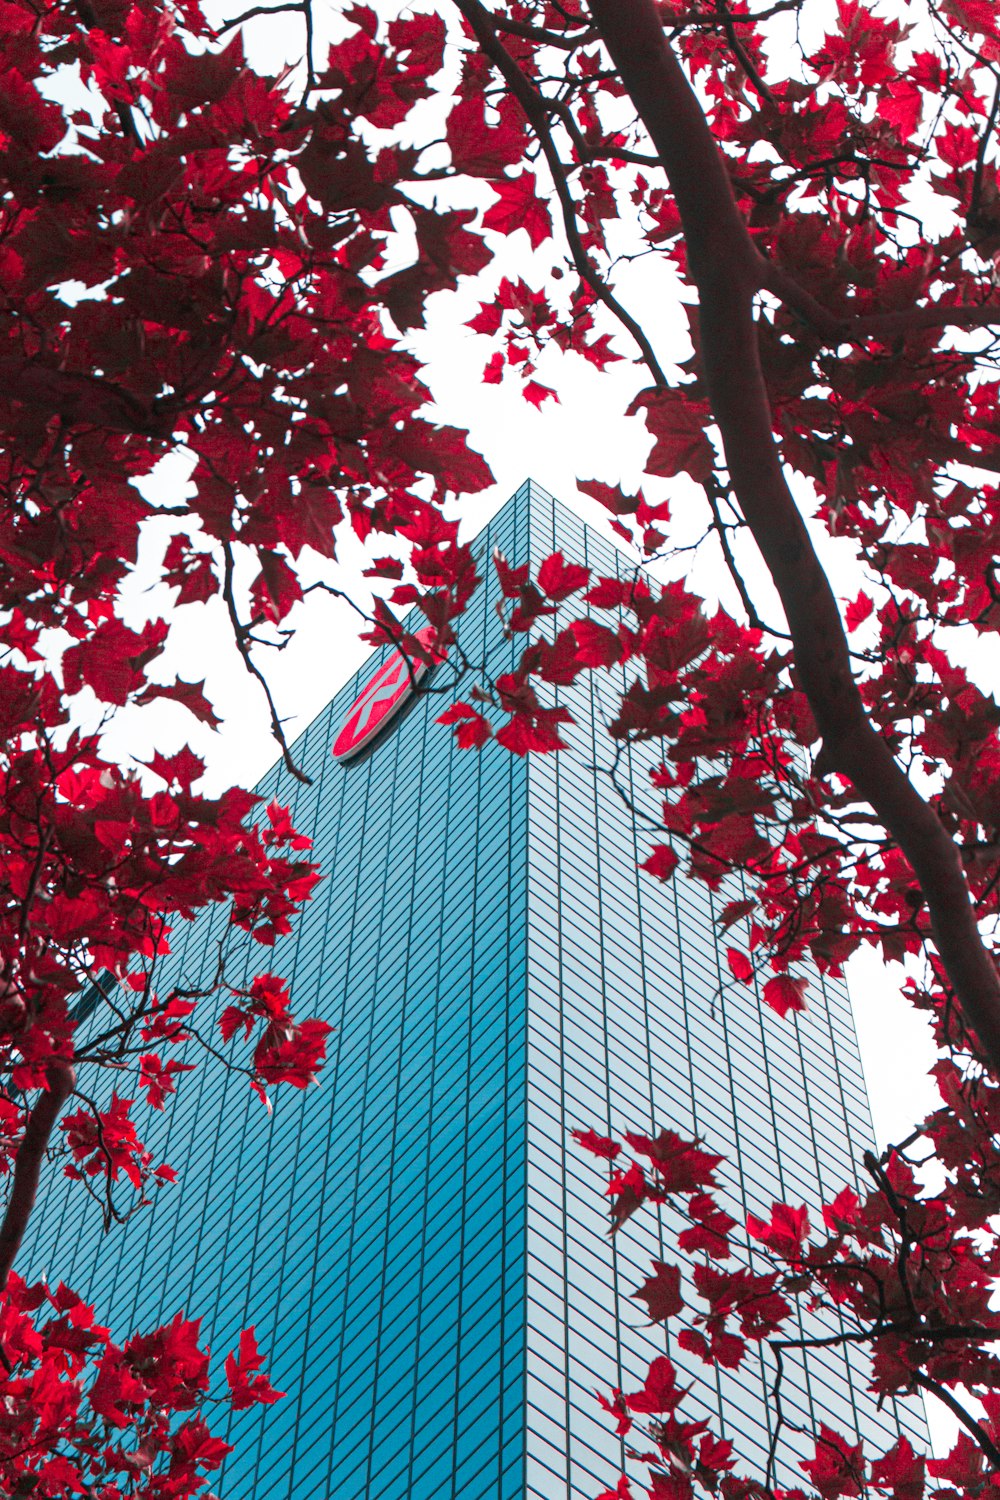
[[28, 1162], [727, 271], [955, 1406], [883, 326]]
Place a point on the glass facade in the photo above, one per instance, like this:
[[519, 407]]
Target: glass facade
[[422, 1249]]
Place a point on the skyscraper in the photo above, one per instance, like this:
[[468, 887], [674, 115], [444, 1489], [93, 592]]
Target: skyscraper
[[421, 1246]]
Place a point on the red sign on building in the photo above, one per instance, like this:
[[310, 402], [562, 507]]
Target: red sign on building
[[383, 697]]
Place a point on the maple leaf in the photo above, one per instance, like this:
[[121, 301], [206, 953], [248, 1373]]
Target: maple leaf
[[661, 1292], [308, 519], [977, 16], [838, 1467], [518, 206], [858, 612], [611, 593], [557, 578], [695, 1342], [275, 589], [842, 1212], [660, 1393], [612, 497], [473, 728], [962, 1467], [900, 1472], [715, 1454], [534, 392], [512, 580], [734, 911], [710, 1229], [618, 1409], [180, 770], [191, 695], [598, 1145], [784, 1233], [246, 1387], [621, 1491], [678, 426], [596, 645], [488, 319], [113, 659], [783, 993], [682, 1166], [480, 149], [662, 862], [740, 966], [157, 1078], [670, 1484], [116, 1389], [190, 571]]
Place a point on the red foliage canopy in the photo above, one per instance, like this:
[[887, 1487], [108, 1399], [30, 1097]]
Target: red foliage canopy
[[202, 262]]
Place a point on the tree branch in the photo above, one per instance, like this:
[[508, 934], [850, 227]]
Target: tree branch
[[241, 637], [536, 110], [61, 1080], [728, 272], [955, 1406], [862, 326]]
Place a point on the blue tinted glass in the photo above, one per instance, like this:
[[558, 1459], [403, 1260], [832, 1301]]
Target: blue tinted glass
[[420, 1245]]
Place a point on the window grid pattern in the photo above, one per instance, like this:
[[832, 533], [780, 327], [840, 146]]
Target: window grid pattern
[[634, 1023]]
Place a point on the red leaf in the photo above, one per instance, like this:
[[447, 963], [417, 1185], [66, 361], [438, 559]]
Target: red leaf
[[977, 16], [493, 373], [599, 1145], [557, 578], [189, 571], [695, 1342], [614, 593], [786, 1231], [734, 911], [597, 646], [473, 728], [157, 1077], [480, 149], [623, 1422], [276, 588], [900, 1472], [662, 862], [660, 1393], [678, 425], [113, 660], [710, 1231], [783, 993], [518, 206], [536, 393], [842, 1212], [838, 1468], [661, 1292], [190, 694], [610, 496], [858, 611], [537, 732], [487, 319], [246, 1388], [739, 965], [621, 1490]]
